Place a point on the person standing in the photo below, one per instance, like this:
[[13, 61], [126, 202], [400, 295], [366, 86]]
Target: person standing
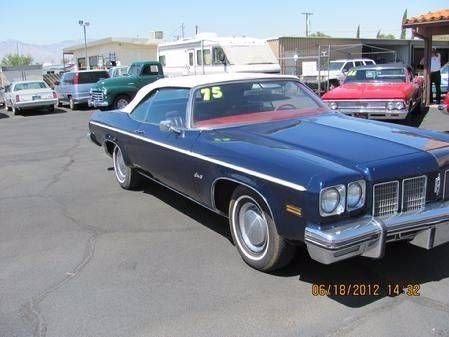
[[435, 75]]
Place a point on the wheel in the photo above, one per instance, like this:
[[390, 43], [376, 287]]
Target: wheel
[[51, 108], [59, 103], [14, 110], [127, 177], [72, 104], [8, 108], [417, 110], [254, 232], [121, 101]]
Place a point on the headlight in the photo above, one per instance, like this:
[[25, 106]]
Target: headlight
[[332, 200], [399, 105], [390, 105], [105, 91], [333, 105], [356, 195]]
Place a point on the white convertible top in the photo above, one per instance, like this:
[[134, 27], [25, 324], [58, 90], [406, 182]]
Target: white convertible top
[[198, 80]]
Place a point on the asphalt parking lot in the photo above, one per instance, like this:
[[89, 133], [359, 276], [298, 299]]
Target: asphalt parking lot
[[79, 256]]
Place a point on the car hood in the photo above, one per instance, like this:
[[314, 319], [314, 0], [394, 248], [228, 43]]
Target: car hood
[[369, 91], [340, 139], [115, 81]]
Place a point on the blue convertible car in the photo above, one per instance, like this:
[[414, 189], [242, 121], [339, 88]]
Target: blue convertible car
[[264, 151]]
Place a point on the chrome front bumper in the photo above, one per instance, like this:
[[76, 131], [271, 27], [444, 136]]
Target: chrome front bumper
[[375, 113], [367, 236], [95, 103]]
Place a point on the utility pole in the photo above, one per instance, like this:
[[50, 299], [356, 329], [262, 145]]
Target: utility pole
[[182, 30], [85, 24], [196, 29], [307, 15]]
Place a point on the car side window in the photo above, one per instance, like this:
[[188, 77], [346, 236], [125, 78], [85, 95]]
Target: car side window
[[68, 78], [169, 104], [150, 69], [140, 111], [358, 63], [347, 66]]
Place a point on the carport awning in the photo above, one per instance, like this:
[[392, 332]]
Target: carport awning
[[425, 26]]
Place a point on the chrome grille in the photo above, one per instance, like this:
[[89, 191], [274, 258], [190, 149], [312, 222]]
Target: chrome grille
[[386, 198], [362, 104], [97, 96], [414, 194]]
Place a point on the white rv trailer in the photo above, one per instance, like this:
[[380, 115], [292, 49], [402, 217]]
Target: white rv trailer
[[207, 54]]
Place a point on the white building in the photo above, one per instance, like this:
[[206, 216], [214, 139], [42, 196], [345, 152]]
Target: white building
[[115, 51]]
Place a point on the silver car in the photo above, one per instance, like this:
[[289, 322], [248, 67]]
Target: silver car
[[29, 95], [74, 87]]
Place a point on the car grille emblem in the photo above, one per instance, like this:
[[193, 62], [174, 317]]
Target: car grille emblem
[[437, 184]]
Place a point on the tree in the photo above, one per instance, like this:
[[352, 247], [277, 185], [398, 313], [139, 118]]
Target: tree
[[318, 34], [404, 32], [17, 60], [358, 32], [380, 35]]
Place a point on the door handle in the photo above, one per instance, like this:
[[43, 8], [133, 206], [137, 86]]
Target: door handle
[[139, 132]]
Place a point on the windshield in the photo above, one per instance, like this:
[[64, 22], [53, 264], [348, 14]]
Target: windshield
[[135, 69], [334, 66], [116, 72], [249, 54], [30, 86], [252, 102], [378, 75]]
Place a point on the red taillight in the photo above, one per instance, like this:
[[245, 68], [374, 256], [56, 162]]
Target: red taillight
[[75, 78], [54, 95], [17, 98]]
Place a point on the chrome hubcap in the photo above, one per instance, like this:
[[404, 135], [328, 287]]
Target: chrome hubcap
[[121, 103], [119, 165], [253, 227]]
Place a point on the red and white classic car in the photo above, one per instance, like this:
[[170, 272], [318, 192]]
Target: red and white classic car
[[386, 91]]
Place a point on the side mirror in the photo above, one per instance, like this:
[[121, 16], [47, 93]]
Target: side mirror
[[167, 126], [57, 83], [220, 56]]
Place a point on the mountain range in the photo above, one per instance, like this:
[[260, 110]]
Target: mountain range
[[41, 53]]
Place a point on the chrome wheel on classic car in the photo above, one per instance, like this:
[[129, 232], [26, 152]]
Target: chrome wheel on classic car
[[254, 232], [266, 152], [126, 176]]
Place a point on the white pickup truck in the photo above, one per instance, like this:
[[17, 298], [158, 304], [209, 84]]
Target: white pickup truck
[[334, 74]]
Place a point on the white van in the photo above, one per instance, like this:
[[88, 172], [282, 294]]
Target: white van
[[207, 54]]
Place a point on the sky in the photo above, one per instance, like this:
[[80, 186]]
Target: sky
[[46, 21]]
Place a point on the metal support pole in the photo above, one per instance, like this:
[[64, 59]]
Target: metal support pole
[[319, 70], [85, 48], [202, 56], [427, 57], [328, 65]]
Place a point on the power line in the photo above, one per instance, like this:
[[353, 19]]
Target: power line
[[307, 15]]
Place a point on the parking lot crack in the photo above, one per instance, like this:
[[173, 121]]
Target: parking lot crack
[[30, 310], [430, 303], [70, 154], [354, 322]]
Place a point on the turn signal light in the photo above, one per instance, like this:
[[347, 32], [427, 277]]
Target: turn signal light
[[54, 95], [17, 98]]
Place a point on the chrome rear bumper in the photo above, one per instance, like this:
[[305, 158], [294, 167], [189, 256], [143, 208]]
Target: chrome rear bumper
[[367, 236]]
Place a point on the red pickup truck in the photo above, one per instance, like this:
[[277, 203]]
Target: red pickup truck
[[386, 91]]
